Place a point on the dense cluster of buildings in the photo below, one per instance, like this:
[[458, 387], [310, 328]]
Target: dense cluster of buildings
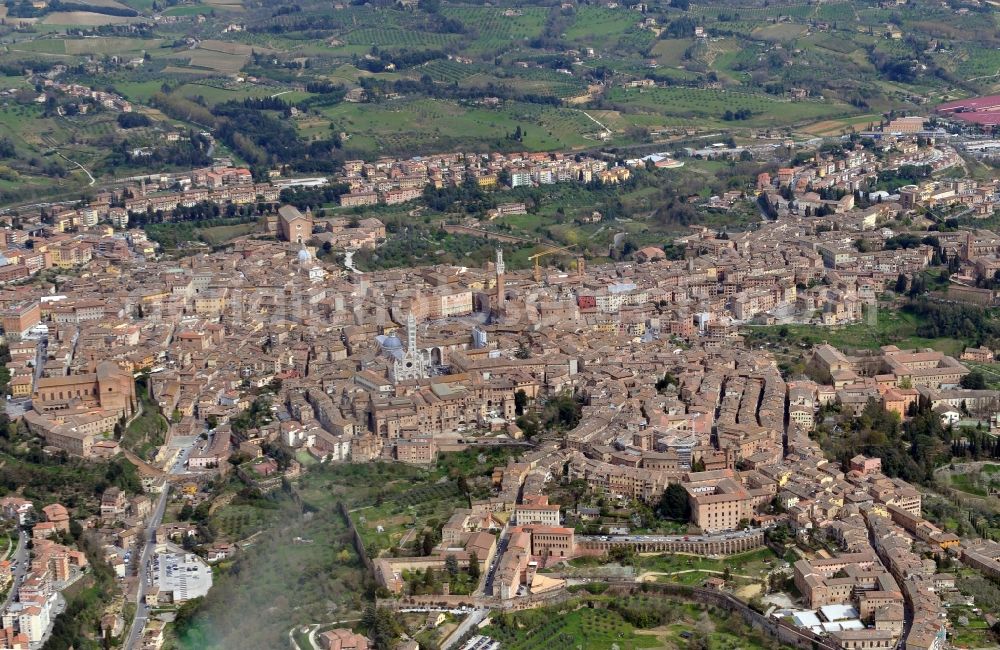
[[391, 181], [105, 99], [404, 364], [50, 567], [27, 616], [837, 177]]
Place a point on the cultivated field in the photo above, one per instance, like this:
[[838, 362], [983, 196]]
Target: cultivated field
[[424, 125], [81, 18], [683, 104]]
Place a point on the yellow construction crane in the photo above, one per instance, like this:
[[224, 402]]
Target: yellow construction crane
[[541, 254]]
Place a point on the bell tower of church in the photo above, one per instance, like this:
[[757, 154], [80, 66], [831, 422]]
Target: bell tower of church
[[413, 364], [501, 281]]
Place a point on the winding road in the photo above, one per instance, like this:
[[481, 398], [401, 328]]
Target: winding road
[[85, 170]]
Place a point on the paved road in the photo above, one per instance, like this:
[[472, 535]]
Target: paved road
[[21, 557], [472, 620], [141, 611], [492, 569], [17, 407], [349, 263]]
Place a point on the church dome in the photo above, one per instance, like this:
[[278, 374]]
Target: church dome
[[392, 343]]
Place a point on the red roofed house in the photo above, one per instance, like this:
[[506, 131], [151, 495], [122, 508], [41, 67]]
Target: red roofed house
[[58, 515], [341, 639]]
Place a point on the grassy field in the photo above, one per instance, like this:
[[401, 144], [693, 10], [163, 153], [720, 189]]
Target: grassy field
[[978, 483], [670, 51], [683, 104], [597, 26], [425, 125], [140, 5], [139, 91], [216, 95], [217, 235], [216, 61], [754, 563], [967, 484], [9, 83], [213, 232], [782, 32], [890, 327], [838, 126], [110, 45]]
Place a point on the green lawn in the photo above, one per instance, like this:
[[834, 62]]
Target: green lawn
[[110, 45], [213, 232], [40, 46], [13, 82], [966, 483], [753, 563], [139, 91]]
